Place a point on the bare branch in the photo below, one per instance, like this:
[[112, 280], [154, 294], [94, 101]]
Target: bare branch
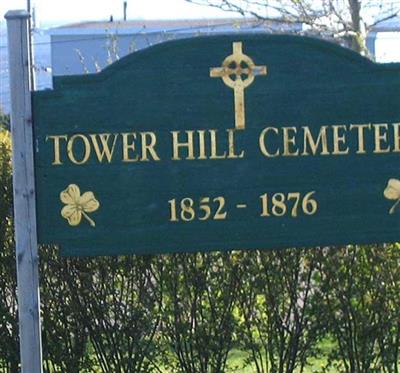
[[387, 18], [349, 19]]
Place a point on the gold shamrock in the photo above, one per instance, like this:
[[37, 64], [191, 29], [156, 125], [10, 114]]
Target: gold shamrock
[[77, 205], [392, 192]]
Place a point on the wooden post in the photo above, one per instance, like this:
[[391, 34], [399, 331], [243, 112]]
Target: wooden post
[[24, 192]]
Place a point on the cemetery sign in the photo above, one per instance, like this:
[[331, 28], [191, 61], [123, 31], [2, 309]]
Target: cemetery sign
[[219, 143]]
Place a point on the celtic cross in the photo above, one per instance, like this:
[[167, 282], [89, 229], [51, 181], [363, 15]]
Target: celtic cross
[[238, 72]]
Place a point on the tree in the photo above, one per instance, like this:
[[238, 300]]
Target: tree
[[279, 309], [349, 20], [65, 339], [118, 304], [200, 291], [9, 346], [359, 292], [4, 120]]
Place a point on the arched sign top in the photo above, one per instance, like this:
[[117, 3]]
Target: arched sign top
[[266, 44], [222, 142]]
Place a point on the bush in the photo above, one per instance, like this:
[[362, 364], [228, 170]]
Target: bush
[[9, 342], [360, 292], [279, 309], [200, 293]]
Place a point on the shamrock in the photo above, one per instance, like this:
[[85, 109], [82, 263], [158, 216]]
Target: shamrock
[[392, 191], [77, 205]]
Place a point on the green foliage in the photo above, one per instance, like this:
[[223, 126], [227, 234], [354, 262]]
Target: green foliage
[[388, 338], [200, 292], [5, 189], [9, 343], [117, 304], [65, 339], [4, 120], [279, 310], [360, 292]]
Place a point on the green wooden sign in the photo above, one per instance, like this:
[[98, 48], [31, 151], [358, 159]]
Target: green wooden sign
[[218, 143]]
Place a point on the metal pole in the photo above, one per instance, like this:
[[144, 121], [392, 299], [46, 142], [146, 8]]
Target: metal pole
[[31, 56], [24, 192]]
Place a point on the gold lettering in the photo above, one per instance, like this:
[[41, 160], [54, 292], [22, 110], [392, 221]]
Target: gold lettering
[[176, 145], [380, 138], [56, 143], [148, 146], [231, 145], [339, 139], [202, 145], [396, 137], [214, 146], [70, 149], [104, 137], [321, 140], [361, 135], [127, 146], [261, 142], [289, 141]]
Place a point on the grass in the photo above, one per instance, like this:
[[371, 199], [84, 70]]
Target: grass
[[237, 359]]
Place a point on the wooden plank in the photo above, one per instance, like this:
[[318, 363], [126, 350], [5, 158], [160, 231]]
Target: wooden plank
[[304, 175], [24, 193]]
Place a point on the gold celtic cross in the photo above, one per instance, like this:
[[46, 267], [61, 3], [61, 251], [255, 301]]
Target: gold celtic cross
[[238, 72]]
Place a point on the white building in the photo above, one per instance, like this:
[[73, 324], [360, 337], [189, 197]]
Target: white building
[[384, 41], [90, 46]]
